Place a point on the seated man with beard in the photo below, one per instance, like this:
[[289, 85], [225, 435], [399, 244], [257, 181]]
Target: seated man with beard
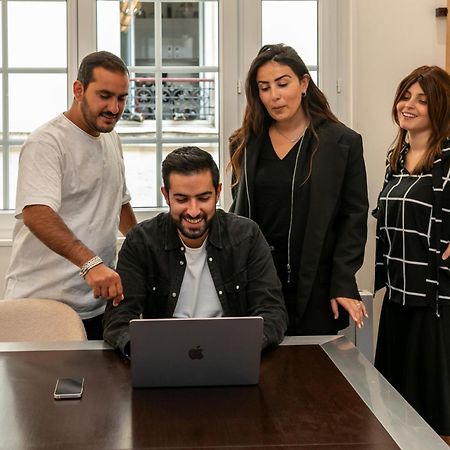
[[195, 261]]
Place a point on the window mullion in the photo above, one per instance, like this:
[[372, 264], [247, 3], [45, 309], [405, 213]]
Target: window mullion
[[5, 105], [158, 95]]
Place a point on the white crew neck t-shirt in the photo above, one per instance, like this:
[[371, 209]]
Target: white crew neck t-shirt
[[198, 296], [82, 178]]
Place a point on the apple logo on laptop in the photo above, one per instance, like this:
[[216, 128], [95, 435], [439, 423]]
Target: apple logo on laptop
[[196, 352]]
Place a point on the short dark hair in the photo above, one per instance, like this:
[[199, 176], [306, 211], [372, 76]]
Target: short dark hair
[[188, 160], [104, 59]]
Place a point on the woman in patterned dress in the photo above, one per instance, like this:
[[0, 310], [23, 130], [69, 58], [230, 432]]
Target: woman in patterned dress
[[412, 262]]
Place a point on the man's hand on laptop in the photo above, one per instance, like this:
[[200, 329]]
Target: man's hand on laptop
[[105, 283]]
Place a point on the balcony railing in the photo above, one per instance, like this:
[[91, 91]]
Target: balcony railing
[[182, 99]]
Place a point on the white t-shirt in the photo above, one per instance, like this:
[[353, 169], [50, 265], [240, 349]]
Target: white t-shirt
[[82, 178], [198, 296]]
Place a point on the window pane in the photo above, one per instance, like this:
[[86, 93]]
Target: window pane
[[142, 30], [108, 26], [294, 23], [138, 118], [33, 29], [141, 98], [189, 32], [1, 34], [141, 173], [126, 28], [25, 112], [189, 103], [180, 34]]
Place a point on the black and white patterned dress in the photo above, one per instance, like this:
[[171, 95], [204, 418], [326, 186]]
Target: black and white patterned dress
[[413, 230]]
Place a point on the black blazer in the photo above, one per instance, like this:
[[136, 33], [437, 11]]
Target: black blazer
[[336, 229]]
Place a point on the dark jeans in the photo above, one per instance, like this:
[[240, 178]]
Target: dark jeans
[[94, 327]]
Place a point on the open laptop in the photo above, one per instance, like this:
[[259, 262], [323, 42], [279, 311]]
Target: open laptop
[[196, 351]]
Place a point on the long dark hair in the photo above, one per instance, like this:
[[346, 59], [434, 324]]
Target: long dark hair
[[435, 83], [256, 117]]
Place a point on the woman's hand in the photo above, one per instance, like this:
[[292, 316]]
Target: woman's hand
[[355, 308], [446, 254]]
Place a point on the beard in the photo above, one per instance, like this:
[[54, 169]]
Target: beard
[[197, 232], [92, 121]]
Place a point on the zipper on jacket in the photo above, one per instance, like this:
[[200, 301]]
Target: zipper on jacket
[[288, 265], [246, 184]]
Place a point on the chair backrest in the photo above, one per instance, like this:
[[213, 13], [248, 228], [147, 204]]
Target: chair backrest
[[39, 320]]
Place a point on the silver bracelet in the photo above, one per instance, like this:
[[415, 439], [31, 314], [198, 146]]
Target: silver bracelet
[[87, 266]]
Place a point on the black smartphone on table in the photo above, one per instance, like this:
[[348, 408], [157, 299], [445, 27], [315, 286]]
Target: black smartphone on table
[[67, 388]]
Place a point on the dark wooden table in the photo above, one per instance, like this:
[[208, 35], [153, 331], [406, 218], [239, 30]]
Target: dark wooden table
[[303, 401]]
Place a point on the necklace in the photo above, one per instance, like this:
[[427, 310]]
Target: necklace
[[288, 138]]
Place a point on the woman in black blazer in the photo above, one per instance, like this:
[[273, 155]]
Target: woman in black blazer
[[299, 173]]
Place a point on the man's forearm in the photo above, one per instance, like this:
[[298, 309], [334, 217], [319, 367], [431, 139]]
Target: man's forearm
[[127, 219], [51, 230]]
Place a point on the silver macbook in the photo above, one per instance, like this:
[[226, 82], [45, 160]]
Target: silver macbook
[[196, 352]]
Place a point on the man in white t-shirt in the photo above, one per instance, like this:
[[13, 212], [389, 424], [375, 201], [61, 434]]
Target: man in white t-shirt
[[72, 199]]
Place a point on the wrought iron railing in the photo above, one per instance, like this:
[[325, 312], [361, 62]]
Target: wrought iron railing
[[182, 99]]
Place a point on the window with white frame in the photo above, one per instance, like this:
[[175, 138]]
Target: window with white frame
[[172, 50], [33, 78]]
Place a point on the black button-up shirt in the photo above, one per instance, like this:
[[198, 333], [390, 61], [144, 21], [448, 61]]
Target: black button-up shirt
[[152, 263]]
